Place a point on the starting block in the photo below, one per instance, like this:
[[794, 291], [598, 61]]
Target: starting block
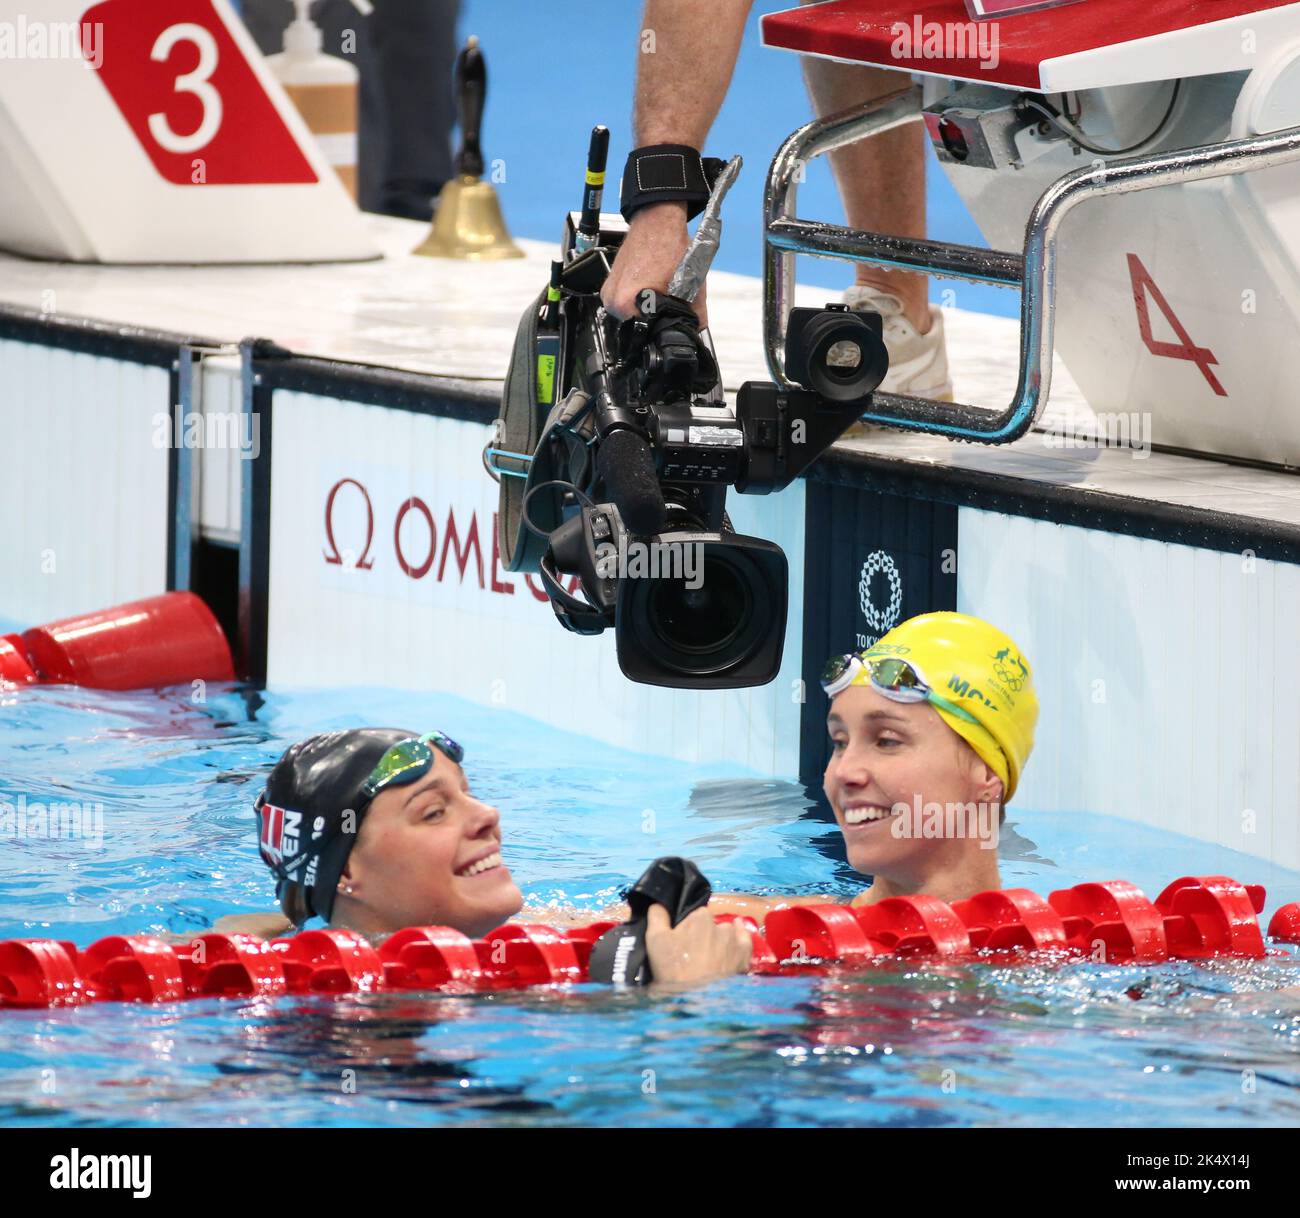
[[143, 131], [1172, 292]]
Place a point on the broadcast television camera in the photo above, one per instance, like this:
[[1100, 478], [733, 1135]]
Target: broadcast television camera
[[615, 446]]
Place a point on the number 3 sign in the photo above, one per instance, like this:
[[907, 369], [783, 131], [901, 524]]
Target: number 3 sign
[[185, 89]]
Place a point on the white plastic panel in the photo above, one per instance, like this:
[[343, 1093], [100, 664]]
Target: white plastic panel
[[83, 499], [334, 624], [221, 466], [1165, 674]]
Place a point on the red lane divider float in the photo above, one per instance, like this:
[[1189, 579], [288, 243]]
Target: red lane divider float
[[1285, 926], [1013, 920], [427, 957], [171, 639], [1113, 921], [527, 954], [39, 973], [1194, 918], [329, 962], [1212, 916], [133, 969], [818, 932], [15, 667], [234, 966], [915, 926]]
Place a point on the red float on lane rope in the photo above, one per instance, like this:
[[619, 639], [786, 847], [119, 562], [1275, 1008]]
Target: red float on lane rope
[[134, 968], [329, 962], [424, 957], [914, 926], [171, 639], [234, 966], [1209, 915], [1285, 926], [15, 668], [801, 933], [39, 973], [1195, 917], [1012, 919], [1114, 915], [527, 954]]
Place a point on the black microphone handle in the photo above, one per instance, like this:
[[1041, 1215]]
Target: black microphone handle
[[626, 465]]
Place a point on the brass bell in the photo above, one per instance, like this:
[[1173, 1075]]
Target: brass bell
[[469, 223]]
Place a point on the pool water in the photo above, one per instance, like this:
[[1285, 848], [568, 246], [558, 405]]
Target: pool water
[[918, 1044]]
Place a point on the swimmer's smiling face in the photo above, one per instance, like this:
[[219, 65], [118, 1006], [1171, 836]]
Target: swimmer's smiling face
[[884, 755], [428, 854]]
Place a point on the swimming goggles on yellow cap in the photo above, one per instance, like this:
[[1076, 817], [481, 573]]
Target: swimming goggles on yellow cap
[[898, 680], [408, 761]]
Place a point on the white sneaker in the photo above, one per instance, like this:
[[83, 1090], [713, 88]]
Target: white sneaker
[[918, 363]]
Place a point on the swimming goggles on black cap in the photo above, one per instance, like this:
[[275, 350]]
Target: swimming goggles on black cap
[[408, 761]]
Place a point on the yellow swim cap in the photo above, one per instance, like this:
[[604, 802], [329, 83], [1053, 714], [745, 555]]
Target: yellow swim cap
[[975, 666]]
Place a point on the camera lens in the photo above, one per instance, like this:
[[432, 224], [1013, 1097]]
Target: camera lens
[[701, 620], [723, 631]]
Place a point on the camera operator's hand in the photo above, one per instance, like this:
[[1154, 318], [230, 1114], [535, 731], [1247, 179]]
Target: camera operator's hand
[[697, 948], [655, 244]]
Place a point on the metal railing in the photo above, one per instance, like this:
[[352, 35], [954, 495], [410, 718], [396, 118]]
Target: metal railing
[[1034, 272]]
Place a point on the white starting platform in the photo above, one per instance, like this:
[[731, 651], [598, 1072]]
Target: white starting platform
[[302, 445]]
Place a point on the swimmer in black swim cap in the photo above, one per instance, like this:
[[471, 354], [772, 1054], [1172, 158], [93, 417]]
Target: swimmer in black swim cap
[[375, 829]]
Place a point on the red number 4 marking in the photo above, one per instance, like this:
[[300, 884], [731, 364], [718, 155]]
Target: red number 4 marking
[[1202, 357]]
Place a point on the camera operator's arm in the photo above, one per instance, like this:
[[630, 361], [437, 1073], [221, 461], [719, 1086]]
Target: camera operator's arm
[[682, 78]]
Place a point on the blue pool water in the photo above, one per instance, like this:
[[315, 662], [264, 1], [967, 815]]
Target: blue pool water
[[927, 1044]]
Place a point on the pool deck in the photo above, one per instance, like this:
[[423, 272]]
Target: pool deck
[[453, 322]]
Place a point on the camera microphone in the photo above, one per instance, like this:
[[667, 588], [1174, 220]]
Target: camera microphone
[[626, 465]]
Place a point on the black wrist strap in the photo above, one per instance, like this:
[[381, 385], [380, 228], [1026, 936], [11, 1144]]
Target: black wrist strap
[[668, 173]]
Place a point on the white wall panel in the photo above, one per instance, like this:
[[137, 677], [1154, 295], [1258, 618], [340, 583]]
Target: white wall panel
[[84, 490], [1166, 675], [337, 625]]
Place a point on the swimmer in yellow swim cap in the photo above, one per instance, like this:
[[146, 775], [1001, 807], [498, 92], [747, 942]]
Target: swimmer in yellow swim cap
[[930, 731]]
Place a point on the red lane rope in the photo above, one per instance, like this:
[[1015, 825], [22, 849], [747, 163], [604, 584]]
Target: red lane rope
[[1194, 918]]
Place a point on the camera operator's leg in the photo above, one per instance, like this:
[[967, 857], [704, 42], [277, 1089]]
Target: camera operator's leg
[[882, 184], [881, 180]]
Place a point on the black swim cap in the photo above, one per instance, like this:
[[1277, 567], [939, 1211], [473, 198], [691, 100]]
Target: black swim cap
[[306, 836]]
